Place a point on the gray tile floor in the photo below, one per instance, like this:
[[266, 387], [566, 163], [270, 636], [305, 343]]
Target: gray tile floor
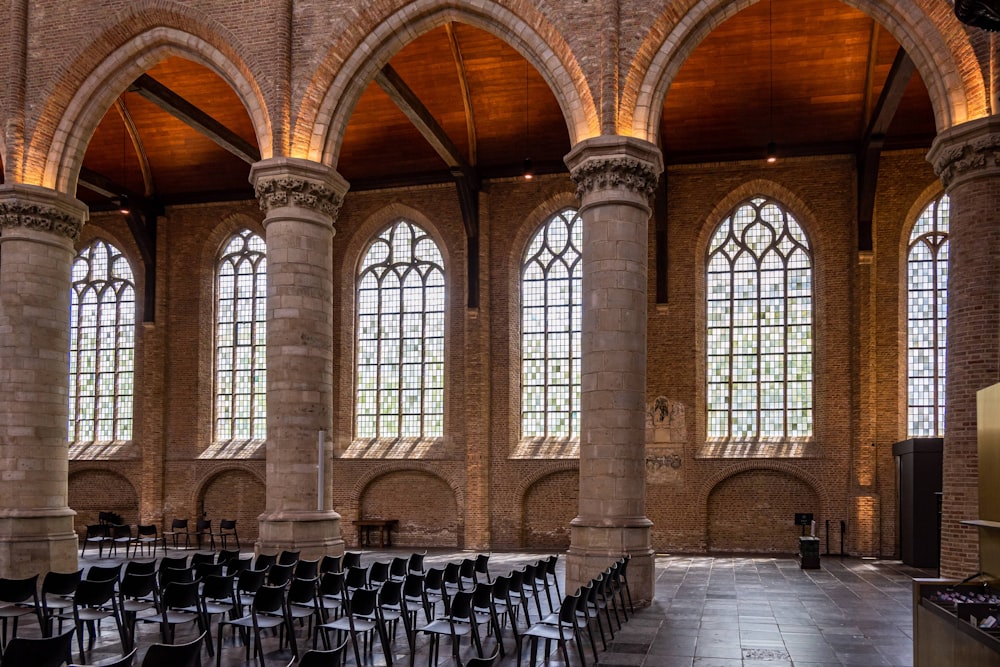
[[708, 612]]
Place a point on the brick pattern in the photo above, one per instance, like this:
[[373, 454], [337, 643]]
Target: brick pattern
[[741, 518]]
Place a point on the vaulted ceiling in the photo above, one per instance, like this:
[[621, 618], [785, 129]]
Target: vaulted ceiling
[[806, 74]]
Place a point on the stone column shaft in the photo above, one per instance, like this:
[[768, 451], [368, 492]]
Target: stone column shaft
[[615, 178], [37, 231], [301, 200], [967, 158]]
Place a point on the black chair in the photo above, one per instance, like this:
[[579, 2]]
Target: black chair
[[482, 566], [529, 589], [416, 562], [178, 529], [288, 557], [355, 577], [264, 561], [140, 567], [57, 596], [306, 569], [227, 531], [203, 528], [331, 597], [350, 559], [124, 661], [393, 608], [361, 616], [415, 594], [378, 573], [452, 577], [434, 591], [181, 603], [99, 534], [564, 630], [485, 609], [146, 538], [136, 593], [266, 612], [18, 597], [505, 607], [174, 562], [46, 652], [467, 574], [227, 556], [550, 571], [92, 602], [174, 655], [104, 572], [317, 658], [279, 574], [330, 564], [218, 596], [202, 557], [248, 582], [457, 621], [303, 603], [397, 568], [623, 572]]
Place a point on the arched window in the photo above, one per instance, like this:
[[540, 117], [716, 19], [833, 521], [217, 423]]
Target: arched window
[[101, 345], [551, 297], [927, 319], [400, 332], [759, 345], [241, 339]]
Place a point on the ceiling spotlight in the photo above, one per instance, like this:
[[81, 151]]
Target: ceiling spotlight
[[529, 172], [772, 153]]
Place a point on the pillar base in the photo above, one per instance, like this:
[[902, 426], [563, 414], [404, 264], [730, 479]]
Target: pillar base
[[593, 547], [35, 541], [315, 534]]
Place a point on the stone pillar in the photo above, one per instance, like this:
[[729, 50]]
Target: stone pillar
[[967, 158], [300, 200], [37, 231], [615, 178]]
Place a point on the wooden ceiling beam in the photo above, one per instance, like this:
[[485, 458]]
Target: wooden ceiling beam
[[180, 108], [870, 149], [463, 83], [140, 151]]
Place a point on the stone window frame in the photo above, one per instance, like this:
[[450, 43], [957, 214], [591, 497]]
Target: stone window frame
[[235, 257], [125, 309], [757, 447], [395, 446], [937, 241]]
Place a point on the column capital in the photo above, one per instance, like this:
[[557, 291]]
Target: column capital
[[966, 152], [33, 208], [283, 182], [612, 162]]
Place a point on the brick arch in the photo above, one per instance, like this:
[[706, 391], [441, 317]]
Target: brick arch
[[143, 35], [111, 492], [376, 35], [938, 44], [712, 481], [540, 527], [386, 470], [247, 506]]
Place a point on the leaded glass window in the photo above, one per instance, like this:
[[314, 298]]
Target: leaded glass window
[[101, 345], [551, 297], [400, 336], [760, 339], [927, 319], [241, 339]]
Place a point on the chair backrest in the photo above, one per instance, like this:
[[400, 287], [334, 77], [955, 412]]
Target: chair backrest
[[146, 530], [567, 612], [501, 588], [19, 590], [303, 591], [483, 565], [61, 583], [467, 569], [434, 580], [178, 525], [176, 574], [226, 556], [178, 594], [391, 594], [202, 570], [124, 661], [378, 572], [398, 567], [332, 583], [416, 563], [330, 564], [137, 585], [413, 586], [227, 524], [452, 573], [357, 577], [218, 587], [288, 557], [460, 607], [121, 532], [97, 531], [174, 655], [91, 593], [264, 561], [364, 602], [250, 581], [140, 567], [103, 572], [237, 565], [176, 562], [202, 557], [47, 652], [269, 600], [482, 596], [550, 564], [485, 662], [280, 574], [351, 559], [203, 526], [307, 569]]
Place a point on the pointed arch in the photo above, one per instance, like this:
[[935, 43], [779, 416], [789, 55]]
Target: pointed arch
[[144, 36], [331, 96], [938, 44]]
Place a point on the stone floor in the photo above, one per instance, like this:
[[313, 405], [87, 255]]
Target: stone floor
[[708, 612]]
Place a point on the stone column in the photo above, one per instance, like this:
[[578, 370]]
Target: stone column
[[300, 200], [967, 158], [37, 231], [615, 178]]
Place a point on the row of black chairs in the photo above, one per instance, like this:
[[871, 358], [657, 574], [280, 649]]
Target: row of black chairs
[[145, 538]]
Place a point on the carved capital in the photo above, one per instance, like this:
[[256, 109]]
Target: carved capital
[[613, 173], [967, 151], [291, 191], [41, 212]]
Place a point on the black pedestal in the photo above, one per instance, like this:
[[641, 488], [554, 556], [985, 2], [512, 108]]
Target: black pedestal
[[809, 553], [919, 465]]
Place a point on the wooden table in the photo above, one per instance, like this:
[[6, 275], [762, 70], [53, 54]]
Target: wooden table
[[384, 527]]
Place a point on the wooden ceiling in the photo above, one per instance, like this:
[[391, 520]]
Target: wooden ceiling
[[803, 73]]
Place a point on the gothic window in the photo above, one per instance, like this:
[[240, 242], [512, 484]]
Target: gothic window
[[927, 318], [102, 345], [400, 336], [760, 339], [551, 297], [241, 339]]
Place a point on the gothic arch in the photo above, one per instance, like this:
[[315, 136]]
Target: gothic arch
[[934, 39], [144, 35], [330, 98]]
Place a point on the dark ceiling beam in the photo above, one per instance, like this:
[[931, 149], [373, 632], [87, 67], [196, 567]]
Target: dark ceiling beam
[[869, 95], [463, 83], [179, 108], [466, 178], [870, 149]]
